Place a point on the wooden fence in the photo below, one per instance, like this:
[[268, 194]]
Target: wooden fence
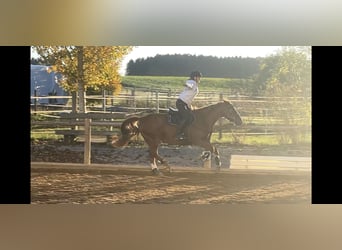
[[261, 115]]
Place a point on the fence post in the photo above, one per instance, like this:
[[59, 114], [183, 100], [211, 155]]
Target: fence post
[[157, 101], [104, 100], [133, 99], [87, 141], [168, 98]]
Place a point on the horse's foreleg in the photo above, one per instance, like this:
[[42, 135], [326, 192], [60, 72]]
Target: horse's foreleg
[[217, 157], [213, 150]]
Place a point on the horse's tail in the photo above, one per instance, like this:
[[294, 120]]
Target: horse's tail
[[129, 128]]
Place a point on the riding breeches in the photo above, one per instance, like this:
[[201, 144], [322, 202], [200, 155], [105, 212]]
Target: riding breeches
[[185, 112]]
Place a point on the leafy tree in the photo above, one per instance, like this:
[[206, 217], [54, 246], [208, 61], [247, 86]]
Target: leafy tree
[[85, 67], [285, 75], [38, 61], [287, 72]]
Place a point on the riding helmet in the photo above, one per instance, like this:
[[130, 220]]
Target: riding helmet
[[194, 74]]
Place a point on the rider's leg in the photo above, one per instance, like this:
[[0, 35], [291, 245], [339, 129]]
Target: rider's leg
[[185, 123], [183, 111], [180, 129]]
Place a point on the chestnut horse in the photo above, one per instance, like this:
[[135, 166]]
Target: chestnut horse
[[156, 129]]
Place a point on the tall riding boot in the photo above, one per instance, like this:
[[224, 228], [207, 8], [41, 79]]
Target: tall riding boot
[[180, 131]]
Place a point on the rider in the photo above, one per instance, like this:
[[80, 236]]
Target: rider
[[184, 101]]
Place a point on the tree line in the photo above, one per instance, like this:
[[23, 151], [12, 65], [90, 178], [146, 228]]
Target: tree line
[[182, 65]]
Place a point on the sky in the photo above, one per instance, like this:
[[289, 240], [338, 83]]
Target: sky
[[218, 51]]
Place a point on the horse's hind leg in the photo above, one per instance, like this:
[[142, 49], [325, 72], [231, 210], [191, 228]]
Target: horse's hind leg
[[161, 160], [164, 162], [153, 161], [154, 157]]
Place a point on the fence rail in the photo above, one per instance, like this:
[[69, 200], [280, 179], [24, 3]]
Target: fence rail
[[261, 115], [162, 99]]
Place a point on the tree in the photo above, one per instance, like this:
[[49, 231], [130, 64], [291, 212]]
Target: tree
[[286, 78], [182, 65], [286, 73], [86, 67]]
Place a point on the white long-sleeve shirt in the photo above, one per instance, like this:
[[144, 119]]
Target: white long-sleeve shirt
[[189, 92]]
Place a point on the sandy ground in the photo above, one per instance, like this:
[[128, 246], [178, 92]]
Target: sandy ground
[[54, 151], [127, 179]]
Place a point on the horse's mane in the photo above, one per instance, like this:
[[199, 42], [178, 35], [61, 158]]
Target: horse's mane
[[211, 105]]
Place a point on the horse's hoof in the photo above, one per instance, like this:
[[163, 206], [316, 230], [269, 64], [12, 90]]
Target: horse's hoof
[[156, 172], [218, 161], [168, 169], [205, 155]]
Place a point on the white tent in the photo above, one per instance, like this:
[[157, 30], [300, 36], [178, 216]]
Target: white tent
[[44, 83]]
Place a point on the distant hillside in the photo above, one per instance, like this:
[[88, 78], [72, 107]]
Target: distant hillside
[[182, 65]]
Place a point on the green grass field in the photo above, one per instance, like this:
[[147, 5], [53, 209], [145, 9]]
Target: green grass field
[[176, 83]]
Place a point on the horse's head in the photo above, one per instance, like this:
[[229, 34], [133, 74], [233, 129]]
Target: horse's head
[[231, 113]]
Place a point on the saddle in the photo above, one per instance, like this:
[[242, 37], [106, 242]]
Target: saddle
[[174, 116]]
